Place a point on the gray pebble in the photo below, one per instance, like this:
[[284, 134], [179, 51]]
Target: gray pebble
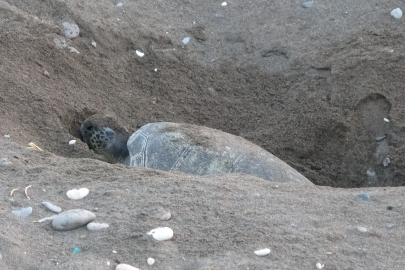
[[389, 226], [52, 207], [72, 219], [5, 162], [24, 212], [308, 4]]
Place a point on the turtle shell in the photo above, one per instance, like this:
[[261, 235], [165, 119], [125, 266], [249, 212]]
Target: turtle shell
[[200, 150]]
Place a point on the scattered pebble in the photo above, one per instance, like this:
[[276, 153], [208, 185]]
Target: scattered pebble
[[47, 218], [114, 251], [390, 208], [71, 142], [262, 252], [76, 194], [381, 138], [386, 120], [71, 30], [155, 70], [7, 136], [256, 195], [52, 207], [224, 4], [139, 53], [5, 162], [386, 162], [60, 43], [119, 4], [93, 43], [72, 219], [92, 226], [185, 40], [371, 173], [319, 265], [151, 261], [389, 226], [24, 212], [396, 13], [293, 225], [77, 250], [364, 196], [308, 4], [124, 266], [161, 233], [362, 229], [46, 73], [71, 49]]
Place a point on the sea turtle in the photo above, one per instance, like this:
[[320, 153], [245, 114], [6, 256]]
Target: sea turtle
[[184, 148]]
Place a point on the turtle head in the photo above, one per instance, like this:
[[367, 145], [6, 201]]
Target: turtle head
[[105, 137]]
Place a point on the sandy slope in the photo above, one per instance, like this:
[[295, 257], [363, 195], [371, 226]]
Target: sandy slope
[[312, 86]]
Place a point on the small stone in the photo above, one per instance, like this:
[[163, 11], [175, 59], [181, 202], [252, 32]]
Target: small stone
[[77, 250], [124, 266], [71, 30], [114, 251], [396, 13], [24, 212], [5, 162], [71, 49], [185, 40], [46, 73], [381, 138], [119, 4], [92, 226], [224, 4], [71, 142], [93, 43], [390, 208], [308, 4], [76, 194], [386, 120], [362, 229], [139, 53], [262, 252], [386, 162], [364, 196], [389, 226], [7, 136], [72, 219], [256, 195], [155, 70], [319, 265], [151, 261], [161, 233], [52, 207], [371, 173]]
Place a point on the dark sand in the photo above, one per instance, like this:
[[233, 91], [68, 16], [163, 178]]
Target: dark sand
[[312, 86]]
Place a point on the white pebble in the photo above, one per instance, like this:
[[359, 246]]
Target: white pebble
[[139, 53], [52, 207], [47, 218], [151, 261], [262, 252], [308, 4], [124, 266], [7, 136], [396, 13], [386, 162], [386, 120], [155, 70], [185, 40], [76, 194], [319, 265], [24, 212], [119, 4], [72, 142], [161, 233], [71, 49], [371, 173], [92, 226], [71, 30], [224, 4], [93, 43], [362, 229], [114, 251]]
